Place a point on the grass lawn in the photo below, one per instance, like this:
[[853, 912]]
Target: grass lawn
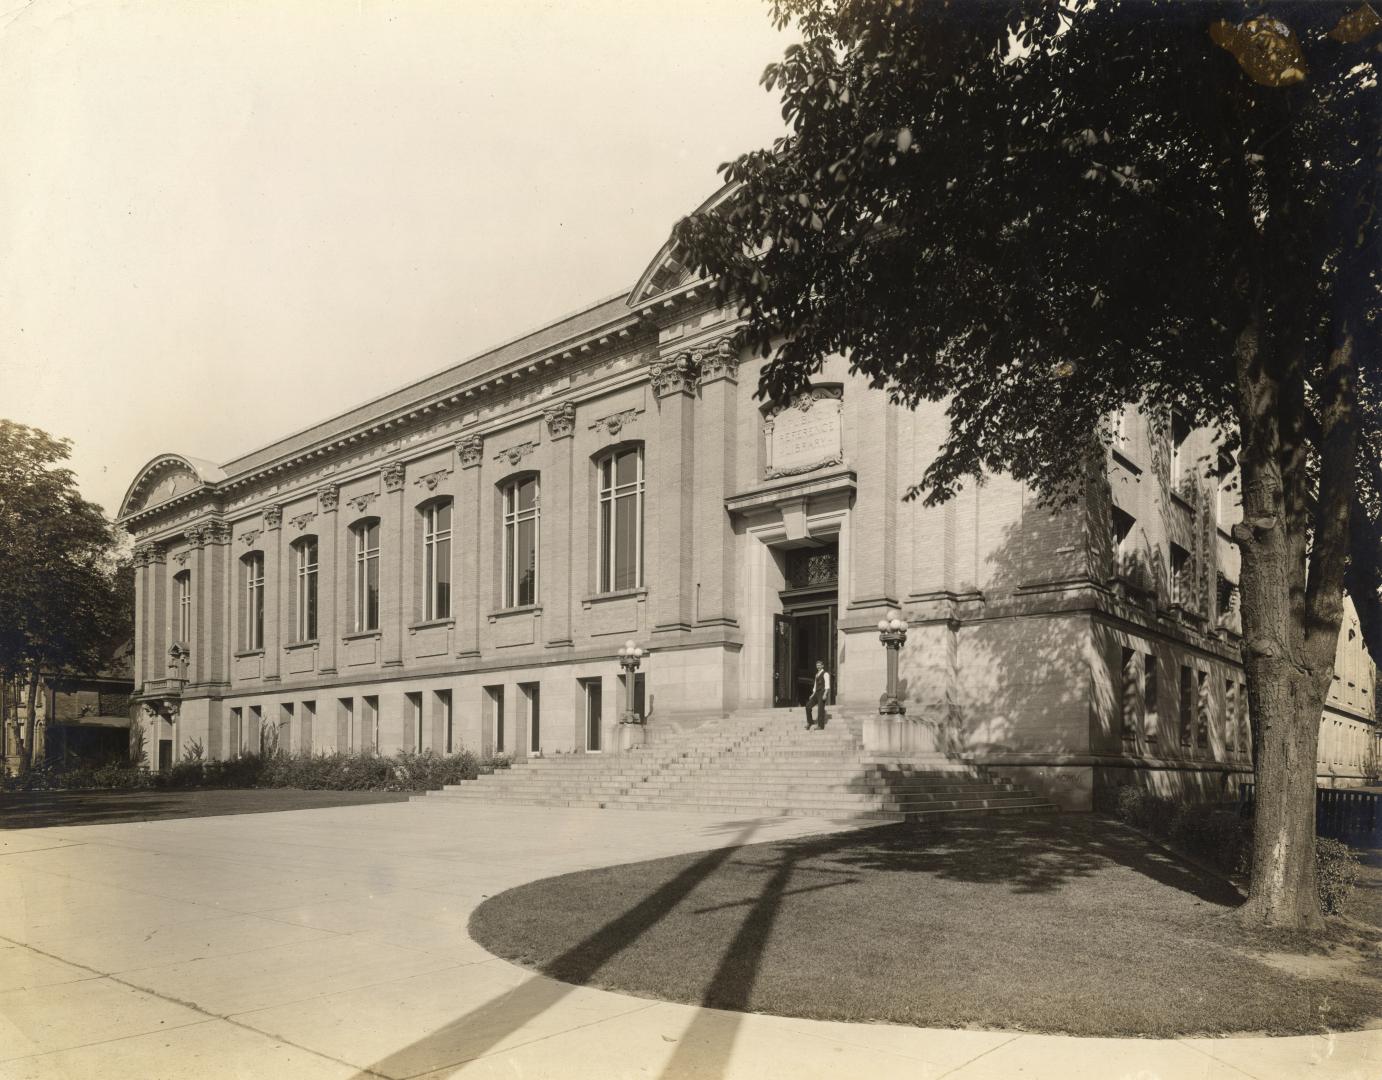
[[1061, 923], [35, 809]]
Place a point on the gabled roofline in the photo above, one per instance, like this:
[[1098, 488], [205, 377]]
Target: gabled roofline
[[667, 263], [207, 473]]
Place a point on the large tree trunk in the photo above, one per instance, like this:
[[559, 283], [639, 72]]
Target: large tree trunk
[[1291, 609], [1285, 712]]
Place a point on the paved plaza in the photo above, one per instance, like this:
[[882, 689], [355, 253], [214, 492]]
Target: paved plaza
[[332, 944]]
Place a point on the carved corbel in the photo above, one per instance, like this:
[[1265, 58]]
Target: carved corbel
[[561, 420], [675, 376], [327, 497], [432, 479], [393, 474], [216, 532], [514, 454], [469, 450], [720, 361]]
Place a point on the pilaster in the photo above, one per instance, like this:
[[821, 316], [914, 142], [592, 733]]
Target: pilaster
[[275, 591], [158, 613], [672, 482], [557, 552], [465, 523], [201, 611], [391, 565], [142, 622], [214, 595], [873, 570], [716, 444], [331, 581]]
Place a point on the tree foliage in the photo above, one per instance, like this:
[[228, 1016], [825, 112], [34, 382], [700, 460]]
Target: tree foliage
[[65, 601], [1041, 213]]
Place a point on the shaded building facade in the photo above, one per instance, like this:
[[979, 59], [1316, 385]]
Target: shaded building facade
[[456, 563]]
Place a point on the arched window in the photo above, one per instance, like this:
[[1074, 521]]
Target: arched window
[[305, 588], [182, 621], [364, 544], [436, 558], [621, 518], [521, 514], [252, 591]]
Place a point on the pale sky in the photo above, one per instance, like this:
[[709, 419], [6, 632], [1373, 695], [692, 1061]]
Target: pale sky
[[221, 222]]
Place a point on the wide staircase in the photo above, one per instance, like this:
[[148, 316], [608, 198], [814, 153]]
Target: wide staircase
[[754, 762]]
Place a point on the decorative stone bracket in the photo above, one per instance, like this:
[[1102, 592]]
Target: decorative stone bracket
[[616, 422], [514, 454], [470, 450], [561, 420], [432, 479], [720, 361], [360, 503], [393, 474], [302, 520], [327, 497], [675, 376], [273, 517]]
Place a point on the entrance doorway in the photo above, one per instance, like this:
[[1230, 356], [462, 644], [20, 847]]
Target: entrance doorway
[[805, 631], [801, 638]]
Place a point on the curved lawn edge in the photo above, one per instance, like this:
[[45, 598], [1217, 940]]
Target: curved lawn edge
[[1064, 924]]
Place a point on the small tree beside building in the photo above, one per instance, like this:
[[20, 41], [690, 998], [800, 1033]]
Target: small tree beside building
[[64, 604]]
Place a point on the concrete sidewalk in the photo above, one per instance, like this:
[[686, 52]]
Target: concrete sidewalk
[[332, 943]]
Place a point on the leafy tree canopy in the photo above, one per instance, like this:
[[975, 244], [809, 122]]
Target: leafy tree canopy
[[1042, 212], [65, 601]]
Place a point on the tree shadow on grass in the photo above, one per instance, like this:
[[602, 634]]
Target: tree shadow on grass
[[1030, 853]]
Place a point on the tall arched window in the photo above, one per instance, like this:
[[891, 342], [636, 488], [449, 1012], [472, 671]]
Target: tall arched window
[[621, 519], [305, 588], [520, 541], [436, 559], [252, 589], [182, 620], [364, 543]]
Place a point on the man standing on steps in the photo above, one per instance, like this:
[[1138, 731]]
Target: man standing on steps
[[820, 692]]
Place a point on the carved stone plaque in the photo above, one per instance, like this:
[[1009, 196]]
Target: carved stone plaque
[[805, 434]]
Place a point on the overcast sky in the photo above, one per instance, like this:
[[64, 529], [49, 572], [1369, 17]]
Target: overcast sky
[[221, 222]]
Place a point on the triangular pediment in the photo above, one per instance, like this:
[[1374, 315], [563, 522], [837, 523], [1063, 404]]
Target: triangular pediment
[[667, 272]]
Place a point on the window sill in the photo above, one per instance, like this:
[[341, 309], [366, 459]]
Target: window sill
[[307, 643], [508, 612], [360, 635], [249, 652], [1125, 461], [428, 624], [639, 593]]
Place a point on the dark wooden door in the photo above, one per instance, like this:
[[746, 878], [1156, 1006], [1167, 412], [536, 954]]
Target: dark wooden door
[[783, 661]]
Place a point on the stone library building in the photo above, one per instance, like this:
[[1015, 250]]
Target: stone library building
[[457, 563]]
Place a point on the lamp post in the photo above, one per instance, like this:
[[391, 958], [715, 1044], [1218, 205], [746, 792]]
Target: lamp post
[[892, 632], [630, 656]]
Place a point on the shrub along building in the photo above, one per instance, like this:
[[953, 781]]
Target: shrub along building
[[456, 564]]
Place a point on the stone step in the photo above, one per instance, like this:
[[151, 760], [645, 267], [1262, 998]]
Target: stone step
[[760, 761]]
